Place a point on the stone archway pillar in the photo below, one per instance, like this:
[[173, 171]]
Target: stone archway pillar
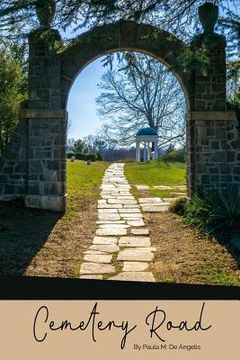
[[46, 165], [214, 161], [47, 124], [212, 138]]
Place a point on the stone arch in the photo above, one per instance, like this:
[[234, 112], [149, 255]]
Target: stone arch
[[121, 36], [34, 164]]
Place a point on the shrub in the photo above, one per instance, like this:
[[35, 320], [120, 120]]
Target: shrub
[[175, 156], [70, 154], [215, 212], [99, 157], [91, 157], [82, 156], [179, 206]]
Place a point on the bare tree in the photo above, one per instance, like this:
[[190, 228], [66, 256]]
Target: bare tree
[[95, 143], [138, 92]]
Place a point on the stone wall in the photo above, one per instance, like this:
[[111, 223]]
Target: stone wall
[[47, 159], [210, 78], [213, 150], [44, 70], [13, 165]]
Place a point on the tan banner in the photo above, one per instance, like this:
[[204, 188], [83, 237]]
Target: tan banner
[[153, 329]]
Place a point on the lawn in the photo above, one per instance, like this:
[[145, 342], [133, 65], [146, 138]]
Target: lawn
[[82, 183], [156, 173], [42, 243]]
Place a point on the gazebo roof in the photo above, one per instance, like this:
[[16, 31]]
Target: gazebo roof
[[147, 131]]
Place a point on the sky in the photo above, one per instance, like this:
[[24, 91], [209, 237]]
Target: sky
[[81, 106], [81, 102]]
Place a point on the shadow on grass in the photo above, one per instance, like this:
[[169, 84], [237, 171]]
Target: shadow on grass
[[23, 232], [233, 251]]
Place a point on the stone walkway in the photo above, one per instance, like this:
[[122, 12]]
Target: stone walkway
[[157, 204], [121, 249]]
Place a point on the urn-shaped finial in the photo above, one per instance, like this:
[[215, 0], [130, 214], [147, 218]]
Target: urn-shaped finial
[[45, 12], [208, 15]]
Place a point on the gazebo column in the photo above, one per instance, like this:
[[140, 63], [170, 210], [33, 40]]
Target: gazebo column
[[148, 152], [155, 149], [138, 151], [145, 152]]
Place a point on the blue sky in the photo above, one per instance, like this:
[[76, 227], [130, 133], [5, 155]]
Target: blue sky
[[81, 102], [82, 109]]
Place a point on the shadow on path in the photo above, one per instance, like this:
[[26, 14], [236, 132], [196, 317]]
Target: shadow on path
[[23, 232]]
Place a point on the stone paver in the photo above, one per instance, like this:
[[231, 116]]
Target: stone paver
[[134, 241], [131, 206], [111, 231], [136, 223], [121, 231], [95, 268], [111, 222], [134, 276], [129, 210], [135, 255], [130, 216], [107, 211], [122, 201], [160, 208], [105, 248], [101, 240], [151, 200], [104, 259], [142, 187], [110, 206], [95, 252], [109, 216], [135, 266], [140, 231], [114, 226], [170, 200]]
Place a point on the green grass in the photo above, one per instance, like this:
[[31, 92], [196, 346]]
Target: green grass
[[82, 181], [218, 276], [166, 193], [156, 173], [83, 178]]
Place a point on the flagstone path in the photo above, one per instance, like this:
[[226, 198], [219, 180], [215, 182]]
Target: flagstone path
[[121, 249], [157, 204]]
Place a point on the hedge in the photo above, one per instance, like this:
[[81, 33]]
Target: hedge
[[84, 157]]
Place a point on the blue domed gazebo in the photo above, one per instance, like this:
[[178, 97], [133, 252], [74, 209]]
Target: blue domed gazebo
[[149, 138]]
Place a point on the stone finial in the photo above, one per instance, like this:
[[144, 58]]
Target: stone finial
[[208, 15], [45, 12]]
